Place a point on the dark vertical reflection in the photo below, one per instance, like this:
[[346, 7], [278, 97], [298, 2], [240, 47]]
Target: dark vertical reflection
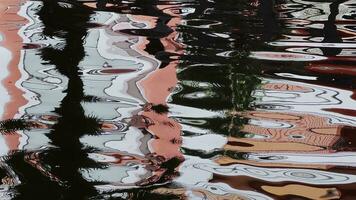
[[330, 31], [70, 155], [58, 169], [268, 15]]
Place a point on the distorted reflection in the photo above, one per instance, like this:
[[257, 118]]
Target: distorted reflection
[[185, 99]]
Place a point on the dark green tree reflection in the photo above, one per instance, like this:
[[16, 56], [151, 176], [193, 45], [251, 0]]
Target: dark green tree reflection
[[225, 81]]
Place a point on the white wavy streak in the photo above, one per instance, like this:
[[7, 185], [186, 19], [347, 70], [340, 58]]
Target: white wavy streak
[[285, 56], [269, 123], [324, 7], [4, 61], [223, 189], [334, 159], [193, 178], [296, 76], [314, 177], [315, 102], [313, 44], [191, 112]]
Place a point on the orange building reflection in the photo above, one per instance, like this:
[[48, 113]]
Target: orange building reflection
[[292, 132], [156, 88], [10, 23]]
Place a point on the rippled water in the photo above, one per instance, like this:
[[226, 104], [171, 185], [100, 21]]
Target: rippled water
[[185, 99]]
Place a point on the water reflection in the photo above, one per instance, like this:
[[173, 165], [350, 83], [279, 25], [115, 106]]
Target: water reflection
[[178, 100], [58, 167]]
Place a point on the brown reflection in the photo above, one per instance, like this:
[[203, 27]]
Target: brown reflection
[[286, 190], [300, 133], [198, 193], [286, 131], [225, 161], [292, 132], [304, 191]]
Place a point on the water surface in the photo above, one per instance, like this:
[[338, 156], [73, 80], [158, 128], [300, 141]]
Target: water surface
[[185, 99]]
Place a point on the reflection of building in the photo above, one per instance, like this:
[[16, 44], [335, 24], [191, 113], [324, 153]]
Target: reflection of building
[[289, 131], [127, 90], [113, 65], [279, 137], [11, 44], [294, 118], [157, 87]]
